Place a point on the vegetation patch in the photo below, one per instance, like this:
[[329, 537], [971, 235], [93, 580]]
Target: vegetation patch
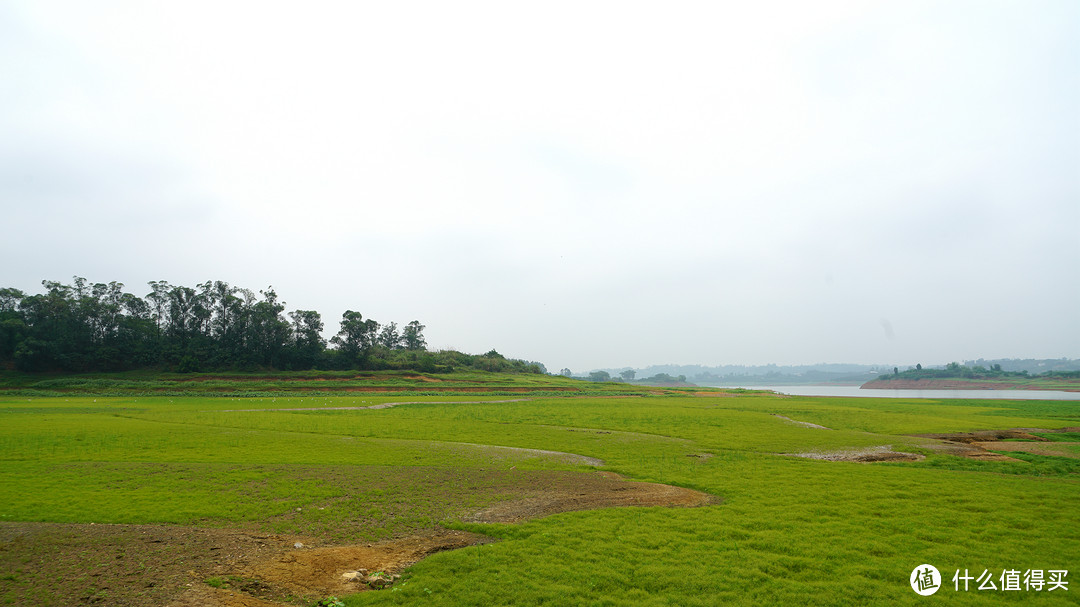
[[338, 474]]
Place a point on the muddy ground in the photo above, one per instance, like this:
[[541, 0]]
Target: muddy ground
[[152, 565], [982, 444]]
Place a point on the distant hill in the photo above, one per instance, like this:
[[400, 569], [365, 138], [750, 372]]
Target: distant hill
[[824, 373], [762, 374], [994, 377], [1031, 365]]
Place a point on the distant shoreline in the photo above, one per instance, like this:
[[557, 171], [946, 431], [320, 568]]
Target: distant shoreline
[[971, 384]]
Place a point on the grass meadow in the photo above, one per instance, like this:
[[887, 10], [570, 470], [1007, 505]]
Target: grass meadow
[[789, 531]]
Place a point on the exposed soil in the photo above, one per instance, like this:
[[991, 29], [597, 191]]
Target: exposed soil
[[144, 565], [603, 490], [121, 565], [1051, 448], [981, 444], [867, 455], [306, 574], [423, 378], [970, 438]]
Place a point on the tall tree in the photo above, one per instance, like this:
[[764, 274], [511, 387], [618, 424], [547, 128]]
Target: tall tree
[[355, 337], [13, 327], [413, 336], [389, 337], [307, 339], [268, 329]]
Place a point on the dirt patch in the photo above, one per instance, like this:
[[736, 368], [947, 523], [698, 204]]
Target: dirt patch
[[423, 378], [120, 565], [153, 565], [974, 445], [981, 444], [1058, 449], [321, 572], [979, 436], [883, 453], [603, 490]]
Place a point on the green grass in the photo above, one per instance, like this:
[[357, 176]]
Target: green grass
[[789, 531], [310, 383], [1064, 437]]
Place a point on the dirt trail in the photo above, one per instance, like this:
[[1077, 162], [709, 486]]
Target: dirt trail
[[799, 423]]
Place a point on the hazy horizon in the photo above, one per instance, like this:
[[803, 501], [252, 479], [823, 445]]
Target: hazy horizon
[[584, 185]]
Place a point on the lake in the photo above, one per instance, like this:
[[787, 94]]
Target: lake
[[856, 391]]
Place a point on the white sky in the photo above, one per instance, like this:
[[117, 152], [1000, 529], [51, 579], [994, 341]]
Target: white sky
[[587, 184]]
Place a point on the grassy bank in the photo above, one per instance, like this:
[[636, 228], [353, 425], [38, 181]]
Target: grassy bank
[[311, 383], [961, 383]]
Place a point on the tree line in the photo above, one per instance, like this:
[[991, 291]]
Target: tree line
[[212, 326], [955, 370]]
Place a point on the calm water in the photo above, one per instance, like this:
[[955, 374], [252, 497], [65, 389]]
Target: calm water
[[858, 392]]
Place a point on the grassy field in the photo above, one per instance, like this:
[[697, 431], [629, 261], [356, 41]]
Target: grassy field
[[789, 531]]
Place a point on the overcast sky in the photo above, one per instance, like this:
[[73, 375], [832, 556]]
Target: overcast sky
[[587, 184]]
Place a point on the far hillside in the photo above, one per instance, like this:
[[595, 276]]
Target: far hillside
[[955, 375]]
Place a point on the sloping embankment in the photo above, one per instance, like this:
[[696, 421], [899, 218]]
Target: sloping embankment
[[965, 384]]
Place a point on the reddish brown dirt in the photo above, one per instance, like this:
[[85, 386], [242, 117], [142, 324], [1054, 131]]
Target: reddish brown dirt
[[151, 565]]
